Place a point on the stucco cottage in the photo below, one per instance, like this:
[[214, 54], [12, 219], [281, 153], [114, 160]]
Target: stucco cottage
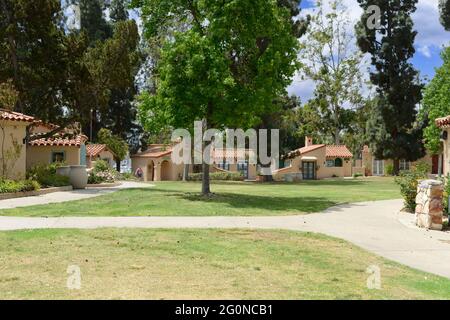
[[316, 161]]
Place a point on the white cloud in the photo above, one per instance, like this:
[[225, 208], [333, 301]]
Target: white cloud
[[431, 34], [430, 39], [425, 50], [302, 88]]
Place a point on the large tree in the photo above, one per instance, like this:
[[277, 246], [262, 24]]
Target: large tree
[[444, 6], [333, 63], [235, 57], [392, 129], [39, 57], [436, 103]]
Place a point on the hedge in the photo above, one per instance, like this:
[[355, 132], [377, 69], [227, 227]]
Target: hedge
[[218, 176]]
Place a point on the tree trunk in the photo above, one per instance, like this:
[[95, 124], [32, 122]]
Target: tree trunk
[[118, 165], [186, 172], [396, 166], [206, 189], [337, 139]]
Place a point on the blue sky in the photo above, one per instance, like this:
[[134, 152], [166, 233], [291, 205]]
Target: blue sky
[[429, 41]]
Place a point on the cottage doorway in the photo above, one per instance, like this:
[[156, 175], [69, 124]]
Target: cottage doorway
[[378, 168], [165, 171], [309, 170]]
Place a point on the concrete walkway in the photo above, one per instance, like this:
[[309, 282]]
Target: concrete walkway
[[375, 226], [64, 196]]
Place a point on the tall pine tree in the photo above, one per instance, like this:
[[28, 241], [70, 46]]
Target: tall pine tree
[[444, 6], [391, 127]]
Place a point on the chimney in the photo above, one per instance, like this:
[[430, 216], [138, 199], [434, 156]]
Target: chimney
[[308, 141]]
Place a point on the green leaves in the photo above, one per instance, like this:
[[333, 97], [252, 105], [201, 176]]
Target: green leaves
[[227, 64], [117, 145], [436, 102]]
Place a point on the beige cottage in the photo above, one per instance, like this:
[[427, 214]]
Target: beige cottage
[[375, 167], [155, 164], [95, 152], [316, 161], [66, 146], [13, 127]]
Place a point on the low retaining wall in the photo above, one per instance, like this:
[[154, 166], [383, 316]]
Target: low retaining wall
[[5, 196]]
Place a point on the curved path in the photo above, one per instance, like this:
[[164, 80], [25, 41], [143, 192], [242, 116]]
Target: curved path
[[374, 226], [64, 196]]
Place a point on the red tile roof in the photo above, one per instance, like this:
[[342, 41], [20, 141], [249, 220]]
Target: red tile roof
[[443, 122], [304, 150], [15, 116], [75, 141], [340, 151], [331, 151], [155, 151], [94, 149]]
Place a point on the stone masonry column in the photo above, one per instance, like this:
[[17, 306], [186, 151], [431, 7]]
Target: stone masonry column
[[429, 206]]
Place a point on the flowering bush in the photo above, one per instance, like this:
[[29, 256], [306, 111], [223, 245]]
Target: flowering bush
[[102, 173]]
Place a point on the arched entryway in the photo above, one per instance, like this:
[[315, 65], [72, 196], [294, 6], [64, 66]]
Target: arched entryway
[[165, 171], [150, 171]]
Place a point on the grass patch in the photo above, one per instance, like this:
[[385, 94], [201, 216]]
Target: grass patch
[[230, 199], [200, 264]]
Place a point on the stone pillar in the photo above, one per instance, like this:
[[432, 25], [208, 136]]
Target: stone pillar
[[429, 206]]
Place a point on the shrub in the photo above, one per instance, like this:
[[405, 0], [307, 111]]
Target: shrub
[[94, 179], [54, 180], [218, 176], [47, 177], [10, 186], [102, 173], [408, 181], [389, 169], [127, 177], [101, 166], [357, 175]]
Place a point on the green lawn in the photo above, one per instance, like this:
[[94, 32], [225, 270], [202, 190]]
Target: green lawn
[[230, 199], [200, 264]]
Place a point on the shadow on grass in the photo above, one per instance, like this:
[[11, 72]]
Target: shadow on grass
[[331, 182], [255, 202]]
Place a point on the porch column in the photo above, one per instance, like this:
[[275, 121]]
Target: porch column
[[157, 169]]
